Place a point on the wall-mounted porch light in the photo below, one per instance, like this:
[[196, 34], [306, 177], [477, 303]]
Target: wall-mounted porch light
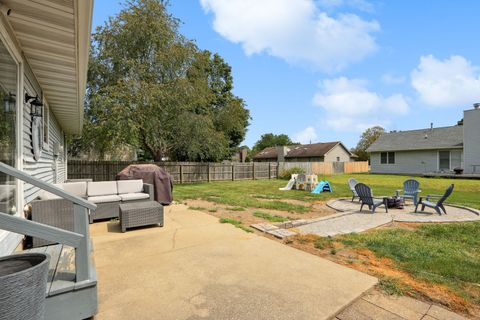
[[9, 103], [36, 105]]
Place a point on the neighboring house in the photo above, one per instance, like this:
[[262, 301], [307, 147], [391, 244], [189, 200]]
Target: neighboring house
[[44, 46], [430, 150], [316, 152]]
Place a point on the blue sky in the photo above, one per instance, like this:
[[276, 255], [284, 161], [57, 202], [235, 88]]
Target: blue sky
[[324, 70]]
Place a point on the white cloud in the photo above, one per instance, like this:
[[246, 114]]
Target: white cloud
[[294, 30], [305, 136], [392, 80], [452, 82], [361, 5], [350, 106]]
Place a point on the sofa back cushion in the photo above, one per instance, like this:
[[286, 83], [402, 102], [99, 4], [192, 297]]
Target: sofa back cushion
[[78, 189], [130, 186], [45, 195], [102, 188]]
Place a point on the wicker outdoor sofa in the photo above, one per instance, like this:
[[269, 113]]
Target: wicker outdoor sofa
[[107, 195]]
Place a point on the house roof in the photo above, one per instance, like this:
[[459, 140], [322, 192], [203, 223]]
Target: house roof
[[423, 139], [54, 37], [300, 151], [311, 150], [267, 153]]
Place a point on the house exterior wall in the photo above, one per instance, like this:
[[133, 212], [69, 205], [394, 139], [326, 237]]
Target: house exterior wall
[[471, 140], [337, 151], [48, 168], [408, 162]]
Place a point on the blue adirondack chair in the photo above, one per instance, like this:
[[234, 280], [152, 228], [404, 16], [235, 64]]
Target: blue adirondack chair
[[411, 189], [366, 198], [352, 183], [438, 206]]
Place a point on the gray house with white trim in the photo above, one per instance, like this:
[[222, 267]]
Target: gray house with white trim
[[430, 150]]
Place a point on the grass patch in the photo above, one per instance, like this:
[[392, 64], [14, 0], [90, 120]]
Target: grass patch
[[253, 193], [447, 254], [212, 210], [236, 209], [237, 224], [323, 242], [269, 217], [198, 208], [392, 286]]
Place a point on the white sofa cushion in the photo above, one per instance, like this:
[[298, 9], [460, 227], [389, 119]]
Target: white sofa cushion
[[130, 186], [78, 189], [6, 192], [45, 195], [103, 199], [134, 196], [101, 188]]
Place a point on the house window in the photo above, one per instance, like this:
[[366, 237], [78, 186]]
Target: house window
[[46, 120], [387, 158], [444, 160], [338, 159], [8, 137]]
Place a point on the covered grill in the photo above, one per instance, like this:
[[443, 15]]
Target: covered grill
[[152, 174]]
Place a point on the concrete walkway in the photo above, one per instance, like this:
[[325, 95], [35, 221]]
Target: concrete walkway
[[350, 220], [378, 306], [197, 268]]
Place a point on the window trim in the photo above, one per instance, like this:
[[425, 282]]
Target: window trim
[[449, 159], [387, 159]]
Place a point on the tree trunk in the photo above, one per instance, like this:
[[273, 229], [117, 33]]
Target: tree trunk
[[157, 157]]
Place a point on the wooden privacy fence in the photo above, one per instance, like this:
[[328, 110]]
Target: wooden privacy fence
[[181, 172], [325, 168]]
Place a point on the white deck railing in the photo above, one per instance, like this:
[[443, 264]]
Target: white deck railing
[[79, 239]]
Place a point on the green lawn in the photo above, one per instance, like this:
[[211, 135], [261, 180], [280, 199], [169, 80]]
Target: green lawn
[[265, 194], [447, 254]]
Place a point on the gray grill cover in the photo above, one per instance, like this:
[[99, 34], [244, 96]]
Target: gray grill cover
[[152, 174]]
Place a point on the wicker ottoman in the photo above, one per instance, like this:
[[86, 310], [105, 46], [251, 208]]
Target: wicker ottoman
[[137, 214]]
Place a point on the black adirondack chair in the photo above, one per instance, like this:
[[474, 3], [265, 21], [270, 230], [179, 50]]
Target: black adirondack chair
[[366, 198], [437, 206]]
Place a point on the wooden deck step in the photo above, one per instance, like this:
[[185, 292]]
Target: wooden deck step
[[67, 299]]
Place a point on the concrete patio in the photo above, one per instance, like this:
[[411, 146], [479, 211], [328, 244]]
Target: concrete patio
[[350, 219], [197, 268]]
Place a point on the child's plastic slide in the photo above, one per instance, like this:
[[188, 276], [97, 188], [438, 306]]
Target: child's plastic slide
[[321, 187], [289, 185]]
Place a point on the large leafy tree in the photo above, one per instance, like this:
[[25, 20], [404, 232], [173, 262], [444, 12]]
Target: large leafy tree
[[271, 140], [151, 88], [368, 137]]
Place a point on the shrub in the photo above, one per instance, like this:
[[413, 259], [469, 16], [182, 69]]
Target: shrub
[[287, 174]]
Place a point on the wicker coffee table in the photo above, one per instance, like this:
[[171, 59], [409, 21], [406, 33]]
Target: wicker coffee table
[[137, 214]]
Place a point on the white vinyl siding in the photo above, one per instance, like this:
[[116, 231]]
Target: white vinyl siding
[[409, 162], [47, 168]]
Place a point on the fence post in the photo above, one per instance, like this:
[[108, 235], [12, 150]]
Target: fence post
[[233, 172], [208, 172], [181, 173], [253, 170], [269, 170]]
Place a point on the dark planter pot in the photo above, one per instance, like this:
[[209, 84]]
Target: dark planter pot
[[458, 170], [23, 282]]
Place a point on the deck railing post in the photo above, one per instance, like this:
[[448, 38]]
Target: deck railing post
[[80, 225]]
